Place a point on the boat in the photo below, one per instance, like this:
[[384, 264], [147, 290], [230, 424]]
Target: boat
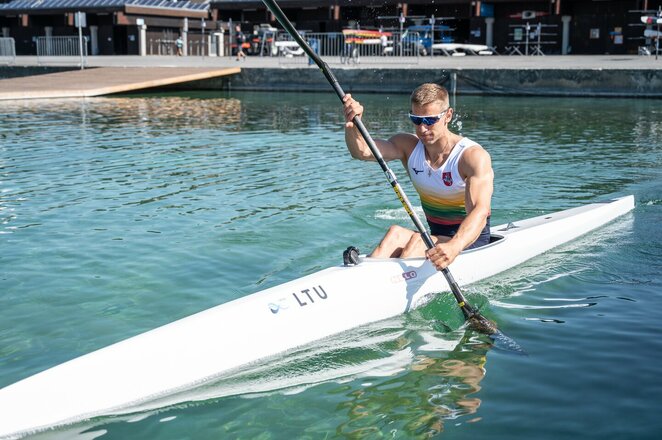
[[456, 49], [529, 15], [125, 377], [364, 33], [363, 36], [650, 19]]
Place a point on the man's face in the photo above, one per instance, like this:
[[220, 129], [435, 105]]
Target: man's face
[[429, 131]]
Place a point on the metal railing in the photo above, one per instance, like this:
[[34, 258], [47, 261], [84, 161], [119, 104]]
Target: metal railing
[[7, 51], [197, 48], [61, 49], [169, 47], [161, 47], [337, 48]]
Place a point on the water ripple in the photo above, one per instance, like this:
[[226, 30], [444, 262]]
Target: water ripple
[[121, 214]]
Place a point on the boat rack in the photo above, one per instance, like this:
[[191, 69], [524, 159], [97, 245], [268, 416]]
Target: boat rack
[[647, 34], [532, 38]]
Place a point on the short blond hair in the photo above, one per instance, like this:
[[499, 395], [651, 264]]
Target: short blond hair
[[429, 93]]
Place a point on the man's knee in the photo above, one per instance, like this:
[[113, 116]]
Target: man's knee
[[415, 239], [398, 233], [415, 246]]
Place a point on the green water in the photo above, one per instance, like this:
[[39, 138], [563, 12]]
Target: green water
[[118, 215]]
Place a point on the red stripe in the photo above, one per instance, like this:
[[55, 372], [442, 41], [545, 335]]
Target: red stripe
[[439, 221]]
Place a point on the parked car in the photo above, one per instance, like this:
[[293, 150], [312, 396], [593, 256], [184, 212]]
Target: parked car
[[421, 37]]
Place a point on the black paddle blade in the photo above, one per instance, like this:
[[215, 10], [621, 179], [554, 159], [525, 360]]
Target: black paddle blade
[[502, 342], [481, 324]]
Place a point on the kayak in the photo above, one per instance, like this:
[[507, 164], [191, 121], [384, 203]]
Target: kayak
[[125, 377], [648, 19]]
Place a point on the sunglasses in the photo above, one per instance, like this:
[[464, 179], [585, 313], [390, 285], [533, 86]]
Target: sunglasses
[[427, 120]]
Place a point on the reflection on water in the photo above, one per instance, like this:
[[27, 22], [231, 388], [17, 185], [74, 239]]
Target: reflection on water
[[108, 113], [437, 388], [396, 377]]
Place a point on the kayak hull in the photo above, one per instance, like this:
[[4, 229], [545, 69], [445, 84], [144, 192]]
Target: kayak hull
[[196, 349]]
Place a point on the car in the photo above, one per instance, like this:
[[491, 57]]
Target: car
[[421, 38]]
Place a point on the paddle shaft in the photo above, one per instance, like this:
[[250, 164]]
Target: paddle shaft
[[467, 310]]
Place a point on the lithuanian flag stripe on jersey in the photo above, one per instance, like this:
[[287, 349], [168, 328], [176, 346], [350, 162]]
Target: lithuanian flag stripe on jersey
[[447, 211]]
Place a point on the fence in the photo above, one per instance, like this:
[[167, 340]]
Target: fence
[[349, 48], [197, 48], [161, 47], [61, 49], [7, 51], [169, 47]]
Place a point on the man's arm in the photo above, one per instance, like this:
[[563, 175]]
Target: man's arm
[[394, 148], [476, 168]]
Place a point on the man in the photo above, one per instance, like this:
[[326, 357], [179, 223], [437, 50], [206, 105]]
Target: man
[[179, 43], [240, 39], [452, 175]]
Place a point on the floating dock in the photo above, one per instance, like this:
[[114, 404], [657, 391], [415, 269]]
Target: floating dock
[[104, 81]]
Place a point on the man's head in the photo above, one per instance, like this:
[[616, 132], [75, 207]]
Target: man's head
[[429, 93], [430, 112]]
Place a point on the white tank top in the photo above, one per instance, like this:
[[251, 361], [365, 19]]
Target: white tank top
[[441, 190]]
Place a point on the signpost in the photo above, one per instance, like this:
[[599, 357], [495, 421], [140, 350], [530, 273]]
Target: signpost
[[81, 22], [432, 22], [203, 25]]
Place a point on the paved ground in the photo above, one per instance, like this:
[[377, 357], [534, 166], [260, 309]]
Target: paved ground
[[567, 62]]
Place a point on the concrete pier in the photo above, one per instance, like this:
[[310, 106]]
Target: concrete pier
[[571, 75], [103, 81]]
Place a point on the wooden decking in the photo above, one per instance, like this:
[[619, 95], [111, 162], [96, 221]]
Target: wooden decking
[[103, 81]]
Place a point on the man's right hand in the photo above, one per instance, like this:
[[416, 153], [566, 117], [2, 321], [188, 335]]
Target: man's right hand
[[351, 109], [397, 147]]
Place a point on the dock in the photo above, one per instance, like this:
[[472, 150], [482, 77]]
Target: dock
[[104, 81], [626, 76]]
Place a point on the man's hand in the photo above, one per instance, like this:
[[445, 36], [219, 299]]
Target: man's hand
[[351, 109], [443, 254]]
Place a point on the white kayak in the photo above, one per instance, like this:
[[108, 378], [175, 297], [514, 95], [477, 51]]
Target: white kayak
[[651, 19], [130, 374]]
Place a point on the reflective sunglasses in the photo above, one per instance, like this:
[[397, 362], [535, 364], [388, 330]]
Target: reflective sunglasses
[[427, 120]]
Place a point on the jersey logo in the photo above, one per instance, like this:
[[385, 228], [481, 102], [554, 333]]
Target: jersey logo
[[416, 171], [447, 178]]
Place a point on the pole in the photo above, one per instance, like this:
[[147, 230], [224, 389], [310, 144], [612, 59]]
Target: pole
[[80, 38], [657, 40]]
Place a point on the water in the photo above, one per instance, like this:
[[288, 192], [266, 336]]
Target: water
[[118, 215]]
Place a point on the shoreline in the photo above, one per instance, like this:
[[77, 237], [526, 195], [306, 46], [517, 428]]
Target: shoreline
[[570, 75]]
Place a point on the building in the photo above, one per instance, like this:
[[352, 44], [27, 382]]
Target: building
[[113, 27], [149, 27], [593, 26]]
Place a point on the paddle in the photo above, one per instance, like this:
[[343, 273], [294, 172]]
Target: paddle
[[471, 315]]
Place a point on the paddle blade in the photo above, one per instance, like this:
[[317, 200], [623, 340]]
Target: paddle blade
[[506, 343], [502, 342], [481, 324]]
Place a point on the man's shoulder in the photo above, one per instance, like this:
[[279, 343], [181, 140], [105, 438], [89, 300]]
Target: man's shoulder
[[404, 141], [475, 158], [405, 138], [473, 150]]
